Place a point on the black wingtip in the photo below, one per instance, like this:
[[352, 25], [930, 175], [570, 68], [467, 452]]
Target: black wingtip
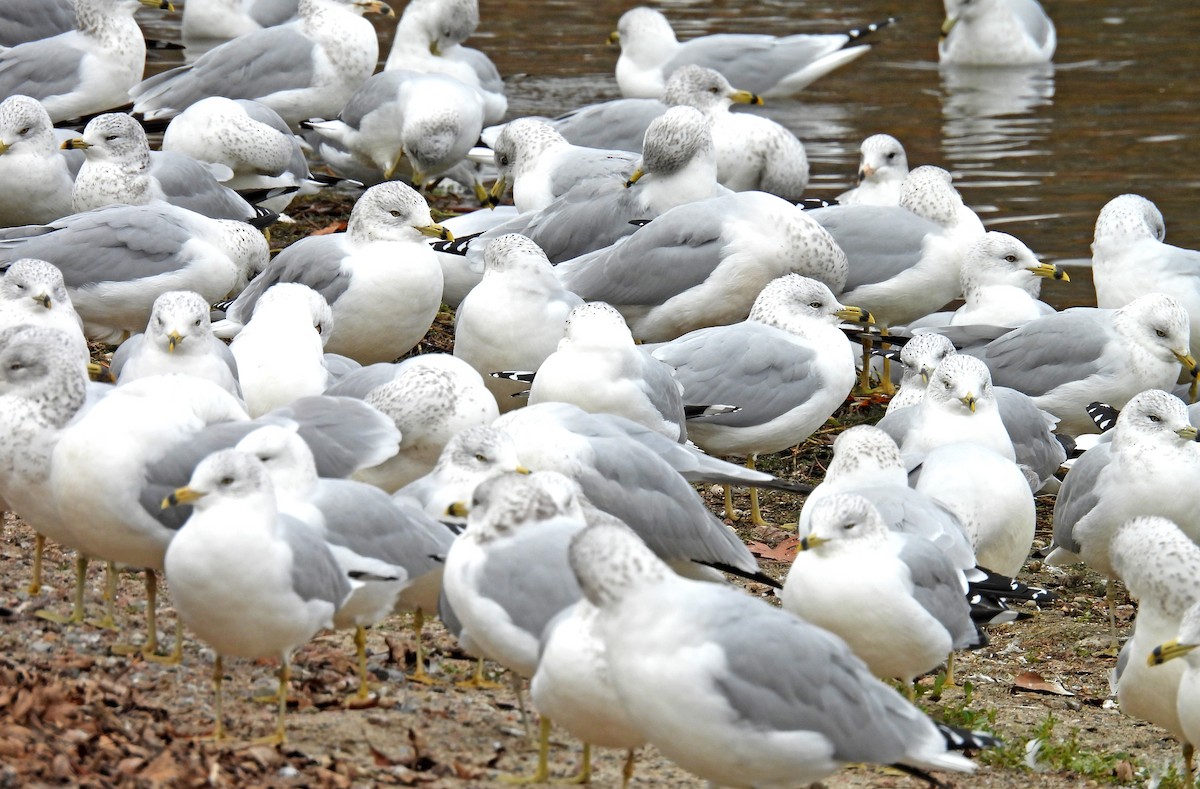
[[856, 35], [757, 575], [458, 246], [1103, 415]]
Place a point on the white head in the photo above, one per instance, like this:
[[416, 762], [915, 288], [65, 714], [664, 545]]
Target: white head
[[34, 285], [881, 159], [703, 89], [393, 211], [792, 302], [286, 457], [844, 521], [595, 324], [961, 384], [1130, 217], [180, 322]]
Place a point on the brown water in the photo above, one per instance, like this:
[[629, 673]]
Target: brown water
[[1036, 152]]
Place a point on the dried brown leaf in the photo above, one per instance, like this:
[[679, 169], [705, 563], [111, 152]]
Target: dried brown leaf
[[785, 551], [1036, 683]]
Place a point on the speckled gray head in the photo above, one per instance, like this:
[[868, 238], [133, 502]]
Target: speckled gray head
[[924, 352], [114, 136], [1130, 217], [519, 144], [790, 298], [843, 518], [1158, 562], [512, 251], [1156, 415], [430, 142], [596, 322], [610, 561], [393, 211], [703, 88], [674, 139], [481, 450], [863, 447], [446, 22], [178, 315], [42, 364], [510, 501], [963, 381], [929, 192], [29, 278], [642, 25], [881, 157], [24, 122], [1000, 259]]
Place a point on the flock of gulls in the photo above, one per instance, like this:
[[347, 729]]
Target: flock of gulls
[[652, 304]]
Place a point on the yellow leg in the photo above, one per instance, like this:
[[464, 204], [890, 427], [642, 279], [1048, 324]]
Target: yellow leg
[[1189, 763], [729, 503], [910, 691], [885, 379], [542, 775], [478, 680], [39, 547], [360, 645], [77, 610], [949, 680], [627, 770], [584, 776], [109, 620], [176, 656], [419, 674], [280, 735], [218, 678], [864, 383], [755, 513]]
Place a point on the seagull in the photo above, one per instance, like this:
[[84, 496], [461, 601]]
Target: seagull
[[38, 174], [882, 168], [996, 33], [247, 581], [32, 293]]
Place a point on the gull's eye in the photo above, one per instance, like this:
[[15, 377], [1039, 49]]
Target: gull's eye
[[947, 384], [196, 322], [504, 161], [713, 90], [891, 156], [1160, 332], [24, 131], [319, 327], [816, 305], [1011, 258], [226, 481], [110, 138], [20, 286], [15, 366], [847, 526], [394, 212]]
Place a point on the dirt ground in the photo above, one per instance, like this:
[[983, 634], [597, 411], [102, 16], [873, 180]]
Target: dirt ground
[[75, 711]]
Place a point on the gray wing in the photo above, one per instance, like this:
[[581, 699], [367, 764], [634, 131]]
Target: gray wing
[[898, 423], [272, 12], [248, 67], [1033, 19], [756, 62], [31, 20], [1048, 352], [1080, 494], [585, 163], [126, 351], [749, 365], [619, 124], [41, 69], [911, 512], [879, 241], [377, 90], [529, 577], [940, 589], [344, 434], [677, 251], [1033, 440], [590, 216], [661, 388], [364, 519], [189, 184], [315, 261], [222, 352], [359, 383], [811, 681], [115, 244], [315, 573], [489, 76]]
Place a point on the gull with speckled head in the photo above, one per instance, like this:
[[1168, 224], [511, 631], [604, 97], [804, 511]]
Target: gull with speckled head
[[304, 69], [382, 282], [84, 70], [278, 582], [732, 714], [882, 168], [1187, 696], [38, 176], [32, 293], [787, 368]]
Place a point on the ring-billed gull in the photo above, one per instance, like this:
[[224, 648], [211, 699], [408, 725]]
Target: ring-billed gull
[[178, 339], [250, 139], [429, 39], [678, 655], [996, 33], [206, 22], [39, 175], [1131, 259], [897, 599], [767, 65], [753, 152], [389, 547], [304, 69], [32, 292], [626, 470], [117, 260], [787, 368], [598, 367], [120, 168], [471, 457], [426, 122], [381, 280], [1066, 360], [920, 356], [280, 352], [541, 165], [1187, 696], [882, 167], [1000, 281], [278, 582], [905, 260], [1159, 564], [704, 263], [1153, 447], [514, 318], [84, 70]]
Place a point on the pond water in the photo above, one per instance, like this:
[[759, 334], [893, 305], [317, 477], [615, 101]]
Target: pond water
[[1036, 152]]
